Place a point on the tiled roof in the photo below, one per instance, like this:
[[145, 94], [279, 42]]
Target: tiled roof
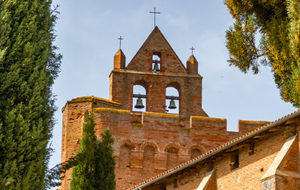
[[217, 149]]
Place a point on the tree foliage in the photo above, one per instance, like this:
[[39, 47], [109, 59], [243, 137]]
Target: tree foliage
[[95, 163], [28, 66], [277, 23]]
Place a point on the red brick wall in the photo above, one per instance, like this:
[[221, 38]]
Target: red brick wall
[[287, 182], [72, 130], [172, 74], [148, 158], [151, 141], [72, 127], [251, 167], [247, 126], [187, 180], [157, 44], [141, 134], [290, 164], [250, 171], [122, 83]]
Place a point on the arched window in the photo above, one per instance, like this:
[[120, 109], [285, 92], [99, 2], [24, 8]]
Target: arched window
[[149, 158], [195, 153], [125, 157], [172, 157], [156, 63], [139, 100], [172, 100]]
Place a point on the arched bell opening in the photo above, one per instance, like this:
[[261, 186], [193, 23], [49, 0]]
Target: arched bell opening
[[156, 62], [172, 100], [139, 98]]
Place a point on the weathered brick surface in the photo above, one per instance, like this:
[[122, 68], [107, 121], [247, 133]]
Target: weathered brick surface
[[192, 65], [72, 130], [251, 168], [189, 88], [157, 44], [287, 182], [72, 127], [172, 74], [148, 143], [119, 60], [247, 126]]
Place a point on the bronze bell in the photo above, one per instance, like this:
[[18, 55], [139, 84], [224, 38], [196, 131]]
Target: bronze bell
[[156, 68], [139, 103], [172, 104]]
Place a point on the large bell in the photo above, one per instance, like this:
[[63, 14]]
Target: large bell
[[172, 105], [139, 103], [156, 68]]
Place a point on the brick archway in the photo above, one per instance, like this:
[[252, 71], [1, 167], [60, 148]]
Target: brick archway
[[195, 151], [126, 147], [172, 145], [128, 142], [150, 143]]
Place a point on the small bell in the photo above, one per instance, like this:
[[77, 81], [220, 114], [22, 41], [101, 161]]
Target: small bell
[[156, 68], [139, 103], [172, 104]]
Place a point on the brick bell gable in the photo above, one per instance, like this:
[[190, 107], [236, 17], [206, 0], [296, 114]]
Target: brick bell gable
[[147, 143], [156, 43]]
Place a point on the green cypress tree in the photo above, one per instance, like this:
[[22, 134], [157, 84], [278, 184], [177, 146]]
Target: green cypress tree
[[83, 175], [278, 22], [95, 164], [106, 171], [28, 66]]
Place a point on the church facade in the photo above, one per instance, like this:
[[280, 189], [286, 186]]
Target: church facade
[[153, 141]]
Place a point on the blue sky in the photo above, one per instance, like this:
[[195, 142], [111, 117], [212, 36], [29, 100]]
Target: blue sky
[[87, 35]]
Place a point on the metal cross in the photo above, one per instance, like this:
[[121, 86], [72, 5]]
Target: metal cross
[[120, 40], [192, 48], [155, 15]]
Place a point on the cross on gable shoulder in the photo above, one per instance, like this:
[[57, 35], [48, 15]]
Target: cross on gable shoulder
[[192, 48], [120, 41]]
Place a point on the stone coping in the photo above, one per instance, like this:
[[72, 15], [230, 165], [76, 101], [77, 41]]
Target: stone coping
[[159, 74], [91, 98], [161, 115], [112, 110], [250, 122], [208, 119]]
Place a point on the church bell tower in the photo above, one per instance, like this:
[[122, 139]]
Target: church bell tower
[[149, 138], [156, 67]]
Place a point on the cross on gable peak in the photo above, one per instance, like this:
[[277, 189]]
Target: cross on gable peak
[[154, 13]]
